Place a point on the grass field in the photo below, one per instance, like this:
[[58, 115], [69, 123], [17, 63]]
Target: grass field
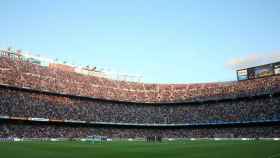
[[121, 149]]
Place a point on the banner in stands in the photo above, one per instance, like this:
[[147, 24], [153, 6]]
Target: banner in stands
[[4, 117], [52, 120], [18, 118], [74, 121], [40, 119]]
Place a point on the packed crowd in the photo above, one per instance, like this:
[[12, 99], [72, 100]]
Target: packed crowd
[[19, 73], [21, 103], [188, 110], [54, 131]]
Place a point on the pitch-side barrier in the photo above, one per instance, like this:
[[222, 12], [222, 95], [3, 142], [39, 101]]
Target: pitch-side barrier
[[14, 139]]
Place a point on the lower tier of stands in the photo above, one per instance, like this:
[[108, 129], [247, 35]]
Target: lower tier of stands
[[21, 129]]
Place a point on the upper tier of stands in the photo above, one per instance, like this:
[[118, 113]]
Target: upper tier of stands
[[21, 73]]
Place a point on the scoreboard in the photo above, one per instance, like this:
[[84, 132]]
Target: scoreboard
[[258, 71]]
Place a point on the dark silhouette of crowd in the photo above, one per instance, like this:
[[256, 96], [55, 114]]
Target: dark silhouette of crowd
[[60, 131]]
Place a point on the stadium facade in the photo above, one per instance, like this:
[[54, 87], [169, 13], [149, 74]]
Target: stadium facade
[[44, 99]]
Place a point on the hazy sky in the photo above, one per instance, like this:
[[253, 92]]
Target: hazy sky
[[167, 41]]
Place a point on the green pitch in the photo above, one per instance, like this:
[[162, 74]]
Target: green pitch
[[123, 149]]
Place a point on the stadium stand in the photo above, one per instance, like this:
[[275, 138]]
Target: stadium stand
[[21, 130], [31, 92]]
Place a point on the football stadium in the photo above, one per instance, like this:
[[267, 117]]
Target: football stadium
[[53, 109]]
